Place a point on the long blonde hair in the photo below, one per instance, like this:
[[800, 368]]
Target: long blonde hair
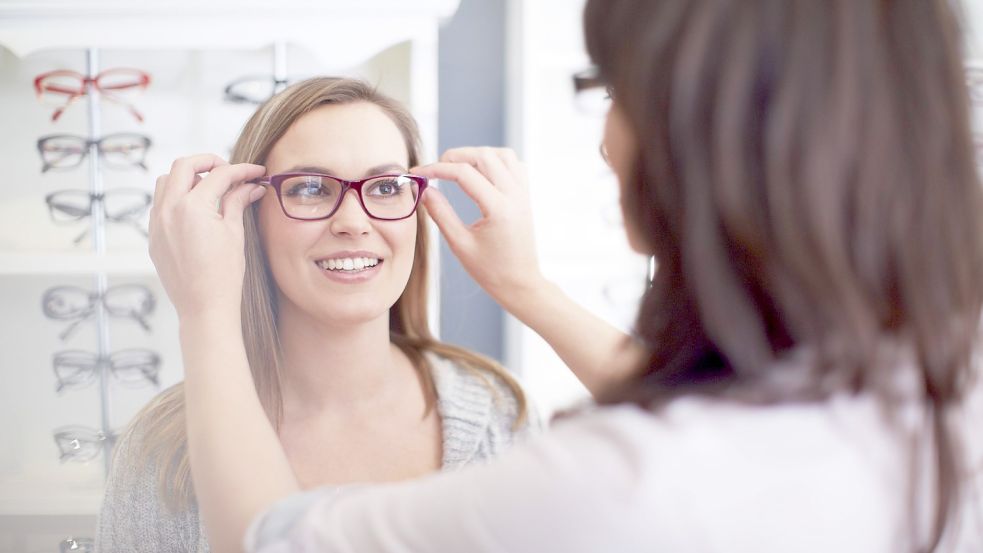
[[161, 424]]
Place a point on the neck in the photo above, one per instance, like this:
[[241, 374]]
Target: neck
[[332, 367]]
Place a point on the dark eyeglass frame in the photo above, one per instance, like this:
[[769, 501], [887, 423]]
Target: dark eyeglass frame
[[147, 306], [129, 217], [275, 181], [143, 142], [86, 364], [142, 81], [231, 95]]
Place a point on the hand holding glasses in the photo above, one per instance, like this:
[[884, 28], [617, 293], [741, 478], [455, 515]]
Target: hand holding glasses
[[314, 196], [71, 303], [119, 150], [60, 89], [132, 368]]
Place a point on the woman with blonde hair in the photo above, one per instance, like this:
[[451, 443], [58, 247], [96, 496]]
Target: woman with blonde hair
[[332, 314]]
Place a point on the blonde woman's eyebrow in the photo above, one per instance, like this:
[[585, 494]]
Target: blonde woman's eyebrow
[[378, 169]]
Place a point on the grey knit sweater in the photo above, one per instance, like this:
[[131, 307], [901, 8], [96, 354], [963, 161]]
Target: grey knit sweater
[[477, 414]]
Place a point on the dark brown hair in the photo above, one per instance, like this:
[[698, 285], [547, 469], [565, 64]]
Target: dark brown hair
[[804, 175]]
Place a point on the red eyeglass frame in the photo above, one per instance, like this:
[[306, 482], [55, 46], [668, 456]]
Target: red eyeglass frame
[[142, 81]]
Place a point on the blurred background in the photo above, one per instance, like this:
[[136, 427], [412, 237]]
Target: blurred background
[[87, 335]]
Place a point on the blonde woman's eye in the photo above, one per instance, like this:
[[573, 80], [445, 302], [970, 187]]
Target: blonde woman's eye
[[386, 188]]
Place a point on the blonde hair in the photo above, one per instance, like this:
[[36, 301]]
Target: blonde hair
[[161, 424]]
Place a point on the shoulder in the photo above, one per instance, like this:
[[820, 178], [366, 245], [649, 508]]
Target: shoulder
[[134, 514], [706, 470], [480, 412]]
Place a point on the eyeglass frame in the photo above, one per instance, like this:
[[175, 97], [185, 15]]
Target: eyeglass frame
[[82, 545], [275, 181], [142, 83], [110, 362], [144, 142], [94, 299], [131, 217], [231, 96], [81, 434]]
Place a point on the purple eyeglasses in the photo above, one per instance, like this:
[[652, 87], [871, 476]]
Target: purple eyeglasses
[[314, 196]]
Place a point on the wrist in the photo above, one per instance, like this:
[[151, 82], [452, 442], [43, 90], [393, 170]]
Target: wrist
[[209, 320], [525, 298]]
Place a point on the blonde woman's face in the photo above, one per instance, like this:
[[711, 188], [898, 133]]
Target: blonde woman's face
[[348, 268]]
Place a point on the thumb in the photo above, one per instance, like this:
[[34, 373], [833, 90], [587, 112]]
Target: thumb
[[442, 213], [239, 198]]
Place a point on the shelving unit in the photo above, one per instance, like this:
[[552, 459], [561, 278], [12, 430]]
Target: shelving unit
[[191, 49]]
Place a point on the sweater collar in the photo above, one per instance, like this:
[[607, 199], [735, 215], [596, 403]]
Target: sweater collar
[[464, 404]]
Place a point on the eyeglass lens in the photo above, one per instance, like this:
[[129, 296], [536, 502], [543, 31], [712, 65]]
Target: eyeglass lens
[[317, 196]]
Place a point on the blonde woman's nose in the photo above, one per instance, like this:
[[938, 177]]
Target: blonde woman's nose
[[350, 218]]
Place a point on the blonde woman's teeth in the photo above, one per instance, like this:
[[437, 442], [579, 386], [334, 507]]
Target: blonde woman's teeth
[[348, 263]]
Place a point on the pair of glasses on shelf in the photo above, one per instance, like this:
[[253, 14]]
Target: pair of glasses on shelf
[[77, 305], [80, 444], [310, 196], [60, 89], [119, 150], [254, 89], [132, 368], [77, 545], [125, 206]]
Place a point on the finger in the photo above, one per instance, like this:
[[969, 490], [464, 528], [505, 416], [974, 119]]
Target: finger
[[514, 165], [442, 213], [474, 184], [487, 162], [213, 186], [181, 178], [159, 186], [238, 199]]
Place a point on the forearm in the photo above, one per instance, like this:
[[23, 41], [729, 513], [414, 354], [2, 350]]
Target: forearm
[[237, 463], [600, 355]]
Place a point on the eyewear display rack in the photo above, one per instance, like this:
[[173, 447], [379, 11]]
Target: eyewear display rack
[[191, 49], [98, 222]]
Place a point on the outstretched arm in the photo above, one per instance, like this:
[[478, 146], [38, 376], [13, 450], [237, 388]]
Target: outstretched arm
[[499, 253], [197, 246]]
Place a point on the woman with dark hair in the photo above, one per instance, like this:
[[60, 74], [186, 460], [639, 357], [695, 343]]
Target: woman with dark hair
[[803, 174]]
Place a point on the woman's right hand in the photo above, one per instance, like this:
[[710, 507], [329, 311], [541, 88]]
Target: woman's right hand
[[498, 250], [196, 232]]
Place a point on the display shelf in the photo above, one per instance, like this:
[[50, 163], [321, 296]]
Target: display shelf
[[114, 264], [191, 49], [344, 33]]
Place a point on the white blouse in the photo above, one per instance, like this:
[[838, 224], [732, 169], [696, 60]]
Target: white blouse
[[699, 476]]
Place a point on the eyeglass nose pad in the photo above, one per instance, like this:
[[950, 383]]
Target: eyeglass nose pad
[[350, 212]]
